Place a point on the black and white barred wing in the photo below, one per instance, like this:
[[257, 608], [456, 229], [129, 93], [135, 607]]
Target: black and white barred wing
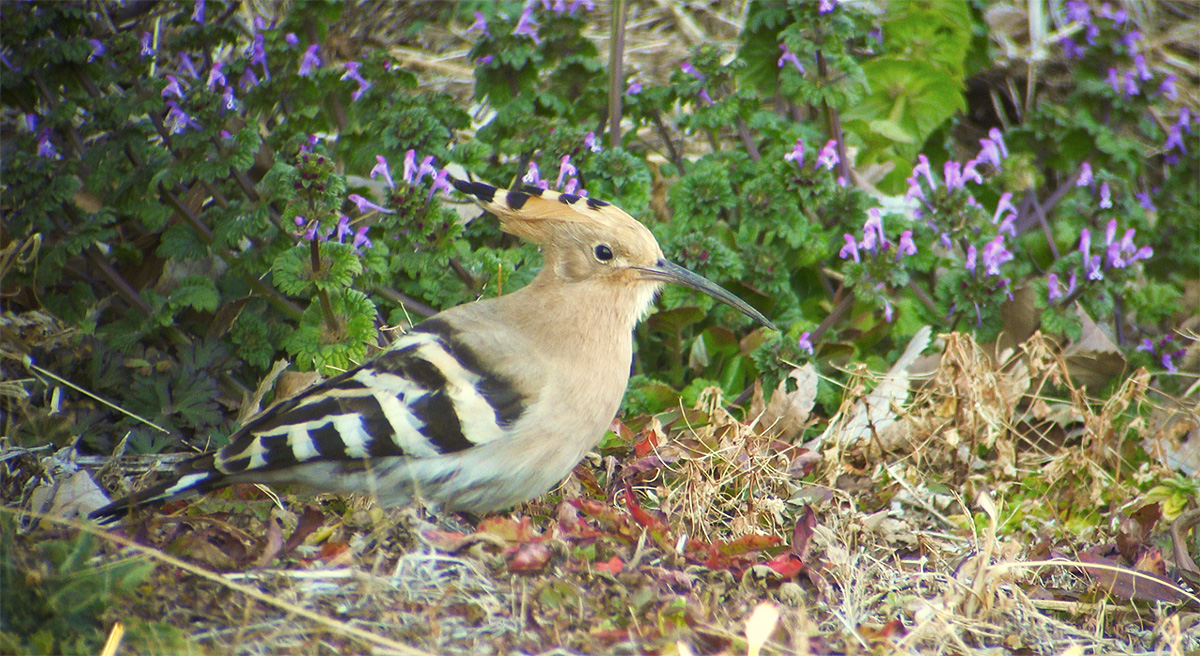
[[427, 397]]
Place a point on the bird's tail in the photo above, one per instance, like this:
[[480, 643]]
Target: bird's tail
[[193, 477]]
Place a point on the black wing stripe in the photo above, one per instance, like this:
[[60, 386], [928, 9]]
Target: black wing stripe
[[500, 392]]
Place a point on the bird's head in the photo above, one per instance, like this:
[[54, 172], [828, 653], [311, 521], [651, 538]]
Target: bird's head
[[590, 240]]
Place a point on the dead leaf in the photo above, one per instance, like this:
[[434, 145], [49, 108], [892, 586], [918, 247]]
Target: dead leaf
[[788, 410], [1094, 358], [875, 412]]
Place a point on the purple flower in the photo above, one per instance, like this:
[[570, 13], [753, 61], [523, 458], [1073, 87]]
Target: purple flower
[[907, 247], [1004, 205], [31, 121], [147, 45], [228, 102], [1174, 138], [198, 12], [45, 147], [586, 4], [1053, 293], [172, 88], [343, 229], [1114, 80], [185, 63], [873, 237], [1091, 33], [687, 67], [995, 254], [1130, 40], [572, 185], [364, 205], [410, 166], [360, 240], [703, 95], [353, 74], [440, 181], [797, 153], [1167, 88], [972, 254], [914, 190], [310, 60], [248, 79], [989, 153], [1105, 196], [1139, 62], [826, 6], [589, 142], [176, 120], [258, 54], [1131, 86], [1092, 267], [997, 138], [426, 168], [634, 89], [1114, 256], [804, 343], [1144, 201], [381, 168], [291, 39], [1147, 345], [952, 174], [1168, 364], [98, 50], [789, 56], [922, 168], [532, 176], [480, 25], [215, 77], [887, 311], [969, 173], [1085, 175], [1085, 243], [526, 26], [1071, 50], [362, 88], [828, 157], [850, 249], [1078, 11], [565, 169]]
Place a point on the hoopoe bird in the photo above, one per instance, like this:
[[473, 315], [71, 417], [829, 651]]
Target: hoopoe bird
[[482, 406]]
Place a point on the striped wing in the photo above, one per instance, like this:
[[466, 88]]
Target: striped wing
[[429, 395]]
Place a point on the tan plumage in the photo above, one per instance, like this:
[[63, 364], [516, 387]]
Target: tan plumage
[[486, 404]]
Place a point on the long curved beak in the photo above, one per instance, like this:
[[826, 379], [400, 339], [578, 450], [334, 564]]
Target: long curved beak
[[668, 272]]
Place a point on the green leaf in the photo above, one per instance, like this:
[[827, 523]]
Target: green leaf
[[196, 292]]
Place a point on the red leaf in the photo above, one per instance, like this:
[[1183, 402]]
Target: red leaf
[[331, 550], [643, 517], [787, 564], [612, 565], [805, 525], [649, 441], [310, 521]]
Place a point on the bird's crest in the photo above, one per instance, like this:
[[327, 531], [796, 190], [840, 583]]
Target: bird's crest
[[538, 214]]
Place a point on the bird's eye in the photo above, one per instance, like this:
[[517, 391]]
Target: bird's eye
[[604, 253]]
